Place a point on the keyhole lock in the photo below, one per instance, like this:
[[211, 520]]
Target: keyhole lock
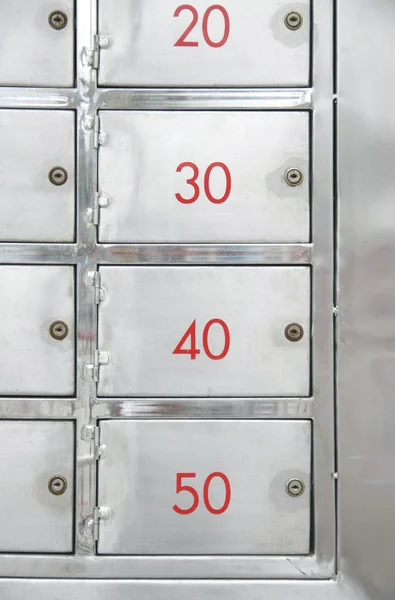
[[293, 20], [295, 487], [293, 177], [58, 19], [58, 176], [57, 485], [58, 330], [294, 332]]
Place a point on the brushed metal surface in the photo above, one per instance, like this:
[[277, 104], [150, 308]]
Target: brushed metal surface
[[31, 52], [137, 481], [33, 519], [366, 292], [31, 299], [86, 98], [260, 50], [143, 172], [146, 311], [32, 143]]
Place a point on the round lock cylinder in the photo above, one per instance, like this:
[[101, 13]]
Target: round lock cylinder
[[57, 485], [295, 487], [58, 176], [58, 19], [293, 177], [59, 330], [294, 332], [293, 20]]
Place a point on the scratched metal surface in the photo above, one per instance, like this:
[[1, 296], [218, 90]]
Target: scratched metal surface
[[364, 569]]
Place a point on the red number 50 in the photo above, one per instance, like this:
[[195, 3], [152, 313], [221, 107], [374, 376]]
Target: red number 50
[[182, 41], [206, 489]]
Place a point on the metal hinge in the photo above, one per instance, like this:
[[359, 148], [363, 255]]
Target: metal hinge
[[91, 433], [99, 202], [100, 513], [99, 137], [93, 369], [100, 42], [94, 279]]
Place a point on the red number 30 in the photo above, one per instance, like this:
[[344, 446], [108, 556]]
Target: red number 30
[[192, 181], [182, 41]]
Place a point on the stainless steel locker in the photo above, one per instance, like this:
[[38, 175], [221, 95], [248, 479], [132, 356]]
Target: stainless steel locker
[[37, 486], [205, 331], [190, 177], [37, 331], [37, 175], [205, 487], [37, 43], [211, 377], [171, 43]]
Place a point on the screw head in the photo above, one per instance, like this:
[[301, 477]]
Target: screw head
[[295, 487], [294, 332], [293, 177], [293, 20], [58, 330], [57, 485], [58, 19], [58, 176]]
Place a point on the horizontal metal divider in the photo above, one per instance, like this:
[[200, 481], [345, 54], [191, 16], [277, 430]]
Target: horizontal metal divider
[[167, 567], [160, 408], [165, 254], [159, 98]]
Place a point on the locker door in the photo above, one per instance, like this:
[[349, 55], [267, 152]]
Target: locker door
[[37, 486], [205, 487], [37, 39], [205, 331], [233, 43]]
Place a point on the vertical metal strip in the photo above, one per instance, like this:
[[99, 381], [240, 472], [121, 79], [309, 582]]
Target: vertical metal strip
[[323, 272], [86, 262]]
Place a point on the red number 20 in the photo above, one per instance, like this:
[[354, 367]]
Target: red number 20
[[182, 41], [206, 498], [192, 181]]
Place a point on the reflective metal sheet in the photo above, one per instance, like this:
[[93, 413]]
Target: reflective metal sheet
[[32, 518], [185, 177], [32, 299], [204, 331], [33, 144], [170, 43], [31, 51], [204, 487]]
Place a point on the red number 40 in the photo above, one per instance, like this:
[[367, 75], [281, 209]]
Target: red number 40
[[193, 351]]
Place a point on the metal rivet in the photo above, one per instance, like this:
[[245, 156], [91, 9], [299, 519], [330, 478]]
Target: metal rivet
[[58, 176], [293, 20], [59, 330], [295, 487], [57, 485], [293, 177], [58, 19], [294, 332]]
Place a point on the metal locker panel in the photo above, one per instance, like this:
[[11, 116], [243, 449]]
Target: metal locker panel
[[147, 311], [204, 177], [34, 143], [232, 44], [33, 519], [239, 471], [32, 299], [32, 52]]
